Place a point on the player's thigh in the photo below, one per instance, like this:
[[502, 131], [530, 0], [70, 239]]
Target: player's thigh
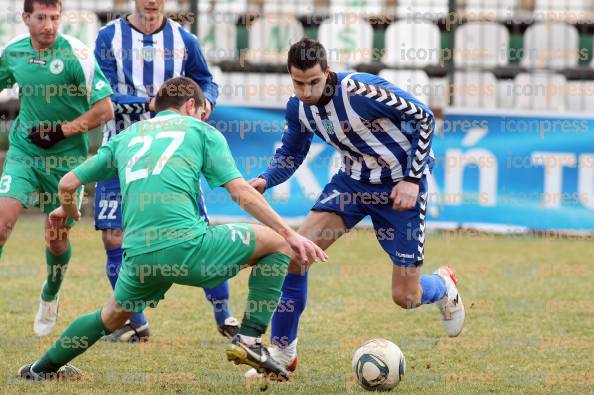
[[144, 279], [17, 182], [334, 213], [112, 238], [216, 256], [10, 209], [401, 233], [49, 196], [323, 228]]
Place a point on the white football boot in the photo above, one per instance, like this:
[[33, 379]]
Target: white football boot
[[46, 317], [451, 306]]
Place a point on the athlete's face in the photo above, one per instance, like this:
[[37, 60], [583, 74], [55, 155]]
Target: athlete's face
[[309, 84], [150, 9], [43, 24]]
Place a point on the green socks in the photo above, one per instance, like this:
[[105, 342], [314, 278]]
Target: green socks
[[265, 285], [1, 248], [56, 269], [81, 334]]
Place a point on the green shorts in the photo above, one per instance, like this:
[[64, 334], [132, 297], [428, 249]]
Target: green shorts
[[33, 181], [204, 262]]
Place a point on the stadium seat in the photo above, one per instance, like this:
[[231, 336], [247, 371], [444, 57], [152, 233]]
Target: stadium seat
[[270, 38], [357, 7], [11, 22], [82, 24], [439, 97], [491, 9], [542, 91], [505, 97], [220, 79], [481, 44], [234, 7], [550, 45], [95, 6], [412, 44], [415, 82], [295, 7], [580, 96], [475, 89], [346, 44], [422, 9], [275, 89], [558, 8], [218, 37]]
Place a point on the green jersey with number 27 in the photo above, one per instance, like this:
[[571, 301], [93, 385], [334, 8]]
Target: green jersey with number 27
[[159, 163]]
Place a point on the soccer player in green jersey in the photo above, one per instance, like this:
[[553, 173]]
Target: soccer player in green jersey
[[62, 94], [159, 163]]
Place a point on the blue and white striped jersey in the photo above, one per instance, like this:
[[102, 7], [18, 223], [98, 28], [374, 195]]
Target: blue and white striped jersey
[[137, 64], [383, 133]]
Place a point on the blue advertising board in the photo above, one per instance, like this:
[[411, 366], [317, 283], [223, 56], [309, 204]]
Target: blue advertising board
[[493, 170]]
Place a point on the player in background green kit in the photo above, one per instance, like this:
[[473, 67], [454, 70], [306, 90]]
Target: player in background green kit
[[159, 163], [62, 94]]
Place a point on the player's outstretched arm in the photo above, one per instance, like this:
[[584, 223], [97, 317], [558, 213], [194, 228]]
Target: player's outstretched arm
[[253, 202], [296, 142]]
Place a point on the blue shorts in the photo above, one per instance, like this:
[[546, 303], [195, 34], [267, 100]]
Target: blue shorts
[[400, 233], [108, 201]]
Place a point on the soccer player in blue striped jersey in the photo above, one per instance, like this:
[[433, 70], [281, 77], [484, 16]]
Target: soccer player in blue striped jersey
[[138, 53], [384, 135]]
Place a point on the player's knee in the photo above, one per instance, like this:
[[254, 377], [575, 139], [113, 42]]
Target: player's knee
[[283, 248], [112, 239], [5, 229], [114, 316], [405, 298], [295, 267], [57, 247]]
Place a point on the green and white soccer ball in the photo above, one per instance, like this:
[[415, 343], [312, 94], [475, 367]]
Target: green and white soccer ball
[[378, 365]]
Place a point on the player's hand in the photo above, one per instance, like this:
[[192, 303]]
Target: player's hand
[[258, 183], [306, 251], [58, 217], [46, 136], [404, 195], [207, 110]]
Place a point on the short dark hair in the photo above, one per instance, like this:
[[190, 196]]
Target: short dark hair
[[176, 91], [28, 6], [305, 54]]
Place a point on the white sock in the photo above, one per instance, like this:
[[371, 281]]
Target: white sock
[[248, 340], [290, 350]]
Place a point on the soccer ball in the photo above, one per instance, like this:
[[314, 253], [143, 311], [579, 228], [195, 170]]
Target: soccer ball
[[378, 365]]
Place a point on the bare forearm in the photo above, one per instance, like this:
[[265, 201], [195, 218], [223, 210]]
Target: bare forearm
[[98, 115], [68, 199], [254, 203]]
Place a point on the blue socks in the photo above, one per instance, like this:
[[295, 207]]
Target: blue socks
[[219, 297], [433, 288], [285, 320], [114, 262]]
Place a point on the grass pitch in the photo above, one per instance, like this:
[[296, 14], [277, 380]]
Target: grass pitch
[[529, 328]]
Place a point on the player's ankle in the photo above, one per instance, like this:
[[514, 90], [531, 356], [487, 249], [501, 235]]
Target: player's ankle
[[248, 340]]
